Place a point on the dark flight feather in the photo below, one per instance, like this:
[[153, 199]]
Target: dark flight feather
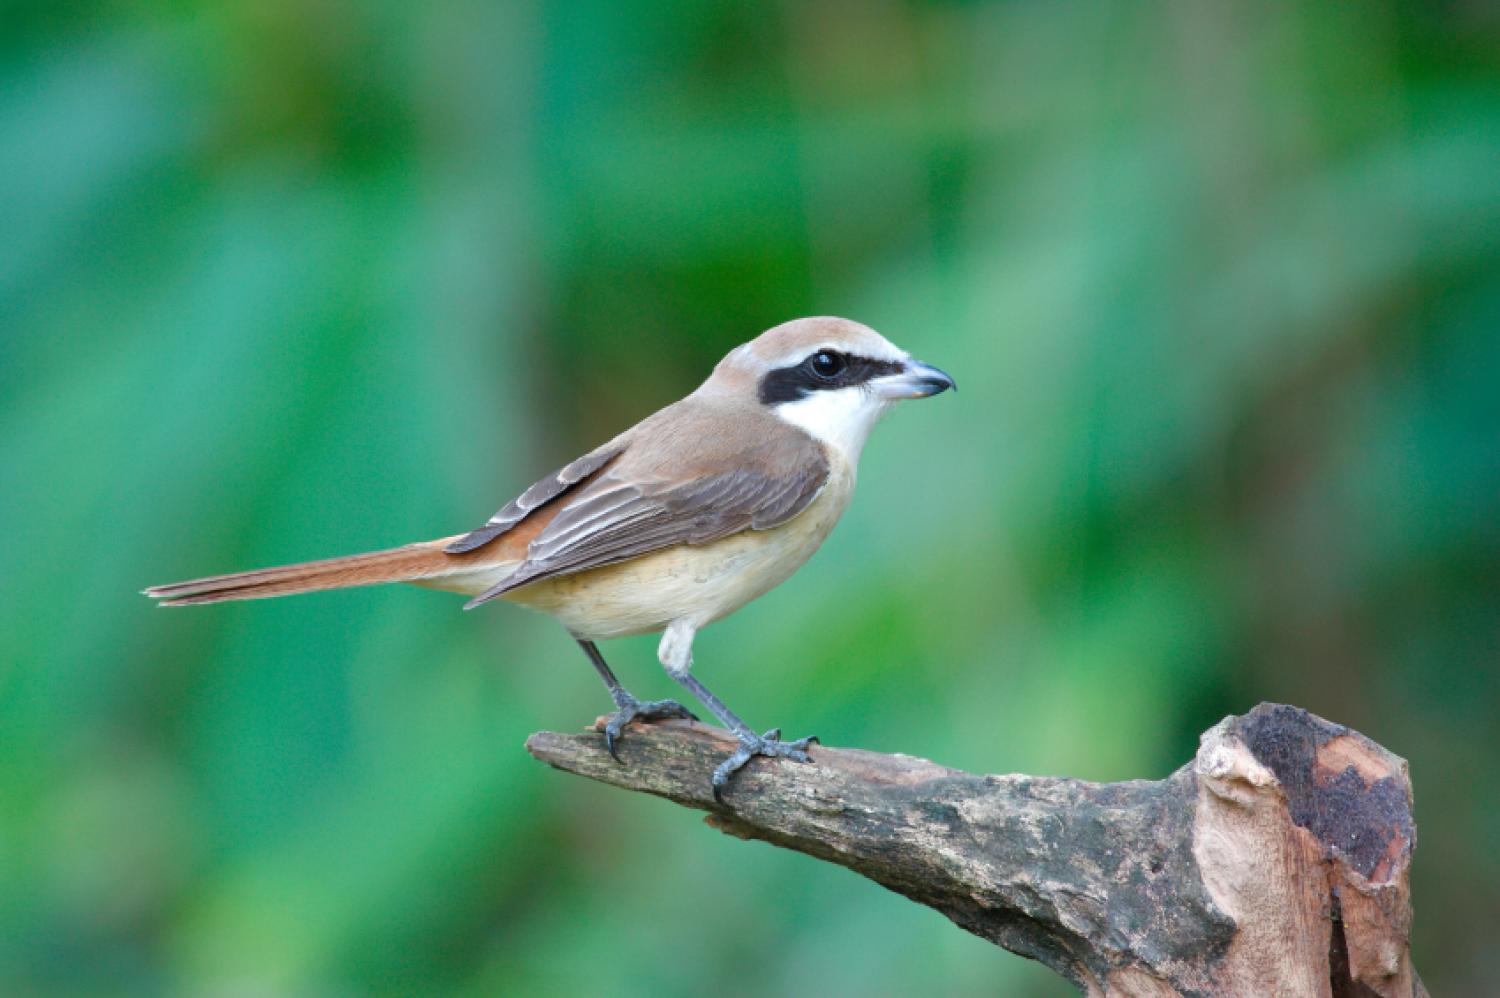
[[541, 493]]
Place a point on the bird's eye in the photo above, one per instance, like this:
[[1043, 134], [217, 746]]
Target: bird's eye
[[827, 364]]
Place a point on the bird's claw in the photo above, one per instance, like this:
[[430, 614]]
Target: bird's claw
[[769, 744], [632, 710]]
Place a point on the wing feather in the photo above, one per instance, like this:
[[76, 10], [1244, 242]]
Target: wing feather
[[541, 493]]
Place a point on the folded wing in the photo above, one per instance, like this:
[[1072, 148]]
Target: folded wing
[[630, 510]]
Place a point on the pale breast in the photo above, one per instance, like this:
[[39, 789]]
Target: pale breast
[[699, 584]]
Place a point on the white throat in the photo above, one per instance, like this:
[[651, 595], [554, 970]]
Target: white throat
[[842, 419]]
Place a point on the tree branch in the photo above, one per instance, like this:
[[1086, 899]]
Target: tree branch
[[1274, 863]]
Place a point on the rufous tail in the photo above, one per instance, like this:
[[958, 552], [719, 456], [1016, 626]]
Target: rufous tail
[[424, 564]]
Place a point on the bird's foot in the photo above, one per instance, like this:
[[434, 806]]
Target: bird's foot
[[769, 744], [632, 710]]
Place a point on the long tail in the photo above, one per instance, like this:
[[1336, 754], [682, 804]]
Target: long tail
[[423, 564]]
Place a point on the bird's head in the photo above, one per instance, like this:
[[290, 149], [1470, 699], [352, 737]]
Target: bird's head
[[831, 377]]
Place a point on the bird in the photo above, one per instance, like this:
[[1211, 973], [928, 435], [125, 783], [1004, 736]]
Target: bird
[[673, 524]]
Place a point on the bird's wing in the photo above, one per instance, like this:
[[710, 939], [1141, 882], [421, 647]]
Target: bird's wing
[[543, 492], [630, 510]]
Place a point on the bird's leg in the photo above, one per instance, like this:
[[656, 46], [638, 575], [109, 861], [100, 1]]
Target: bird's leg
[[676, 656], [751, 744], [628, 708]]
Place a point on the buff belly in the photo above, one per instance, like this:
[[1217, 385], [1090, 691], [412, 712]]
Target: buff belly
[[697, 584]]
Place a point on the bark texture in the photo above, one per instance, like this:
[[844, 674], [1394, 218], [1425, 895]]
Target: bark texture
[[1274, 863]]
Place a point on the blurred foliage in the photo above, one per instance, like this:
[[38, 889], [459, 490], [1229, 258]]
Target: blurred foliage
[[283, 280]]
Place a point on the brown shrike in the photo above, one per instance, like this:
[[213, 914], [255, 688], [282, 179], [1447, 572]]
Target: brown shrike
[[677, 522]]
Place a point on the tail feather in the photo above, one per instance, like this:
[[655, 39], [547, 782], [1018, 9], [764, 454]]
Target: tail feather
[[420, 563]]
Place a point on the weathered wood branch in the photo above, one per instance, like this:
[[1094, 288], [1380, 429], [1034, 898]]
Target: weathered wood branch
[[1274, 863]]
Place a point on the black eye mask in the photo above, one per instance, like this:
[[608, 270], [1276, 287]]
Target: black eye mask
[[822, 370]]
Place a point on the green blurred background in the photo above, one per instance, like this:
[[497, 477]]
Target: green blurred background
[[283, 280]]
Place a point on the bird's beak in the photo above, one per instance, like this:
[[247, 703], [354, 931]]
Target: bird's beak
[[916, 381]]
